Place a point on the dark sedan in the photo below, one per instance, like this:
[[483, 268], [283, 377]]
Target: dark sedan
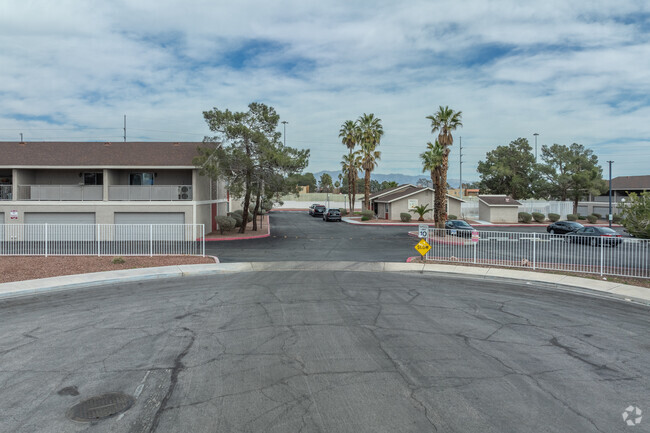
[[563, 227], [311, 208], [332, 215], [459, 228], [595, 236], [318, 210]]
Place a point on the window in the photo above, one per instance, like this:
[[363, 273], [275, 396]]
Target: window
[[93, 178], [141, 179]]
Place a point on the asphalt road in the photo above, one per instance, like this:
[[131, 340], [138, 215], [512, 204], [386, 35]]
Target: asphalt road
[[296, 236], [325, 352]]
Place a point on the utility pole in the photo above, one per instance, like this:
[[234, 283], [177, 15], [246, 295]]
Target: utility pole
[[125, 128], [284, 134], [609, 217], [535, 134], [461, 167]]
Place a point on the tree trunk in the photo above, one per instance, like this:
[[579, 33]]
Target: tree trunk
[[256, 209], [575, 206], [353, 188], [247, 199], [442, 191], [366, 192]]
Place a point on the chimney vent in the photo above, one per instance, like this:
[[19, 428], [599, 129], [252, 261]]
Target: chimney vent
[[108, 143], [177, 144]]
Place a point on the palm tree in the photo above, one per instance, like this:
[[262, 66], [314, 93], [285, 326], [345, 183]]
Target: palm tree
[[421, 210], [352, 164], [349, 134], [371, 131], [432, 162], [444, 121]]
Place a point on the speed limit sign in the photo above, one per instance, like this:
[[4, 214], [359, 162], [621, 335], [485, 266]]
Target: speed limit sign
[[423, 231]]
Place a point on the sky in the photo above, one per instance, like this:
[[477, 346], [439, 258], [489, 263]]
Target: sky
[[574, 71]]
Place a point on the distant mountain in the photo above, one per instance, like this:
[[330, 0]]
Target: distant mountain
[[395, 177]]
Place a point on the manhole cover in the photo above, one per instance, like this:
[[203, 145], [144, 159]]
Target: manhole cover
[[100, 407]]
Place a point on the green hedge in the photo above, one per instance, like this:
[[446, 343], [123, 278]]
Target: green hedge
[[616, 218], [538, 217], [344, 212], [237, 217], [524, 217], [592, 218], [572, 217], [405, 217], [554, 217], [597, 215], [367, 215], [225, 223], [452, 217]]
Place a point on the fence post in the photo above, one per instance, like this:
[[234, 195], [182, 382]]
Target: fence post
[[602, 244], [45, 239], [475, 243], [99, 253], [203, 240], [150, 240], [534, 249]]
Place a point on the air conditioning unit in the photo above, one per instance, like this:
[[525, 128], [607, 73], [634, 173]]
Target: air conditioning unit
[[184, 189], [184, 192], [185, 196]]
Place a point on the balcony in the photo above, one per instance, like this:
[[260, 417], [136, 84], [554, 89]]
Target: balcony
[[5, 192], [60, 192], [150, 193]]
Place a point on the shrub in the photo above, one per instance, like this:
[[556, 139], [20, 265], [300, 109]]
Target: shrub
[[118, 260], [616, 218], [367, 215], [344, 212], [225, 223], [592, 218], [524, 217], [597, 215], [539, 217], [582, 217], [554, 217], [452, 217], [572, 217], [405, 217], [237, 217]]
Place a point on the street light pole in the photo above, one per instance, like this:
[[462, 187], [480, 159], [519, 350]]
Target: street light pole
[[535, 134], [609, 217], [461, 167], [284, 134]]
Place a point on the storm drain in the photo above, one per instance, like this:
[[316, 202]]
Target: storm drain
[[100, 407]]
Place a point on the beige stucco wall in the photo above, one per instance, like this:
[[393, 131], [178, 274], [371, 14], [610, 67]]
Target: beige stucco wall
[[497, 214], [201, 186], [104, 211], [203, 216], [401, 206], [453, 207]]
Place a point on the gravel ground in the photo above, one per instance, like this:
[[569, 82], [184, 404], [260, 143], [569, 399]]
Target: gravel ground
[[19, 268]]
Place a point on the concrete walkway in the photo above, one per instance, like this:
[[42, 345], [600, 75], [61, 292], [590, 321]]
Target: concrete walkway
[[587, 286]]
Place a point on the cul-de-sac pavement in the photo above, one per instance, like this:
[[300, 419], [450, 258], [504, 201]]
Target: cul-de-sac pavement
[[337, 346]]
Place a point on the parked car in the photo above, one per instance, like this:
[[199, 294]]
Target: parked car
[[332, 215], [311, 208], [459, 228], [318, 210], [563, 227], [595, 236]]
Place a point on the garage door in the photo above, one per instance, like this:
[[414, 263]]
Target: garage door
[[146, 225], [62, 226]]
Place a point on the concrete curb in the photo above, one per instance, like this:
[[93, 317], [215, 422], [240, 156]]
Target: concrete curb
[[587, 286]]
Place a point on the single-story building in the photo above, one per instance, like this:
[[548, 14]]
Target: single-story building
[[498, 209], [389, 203], [622, 186]]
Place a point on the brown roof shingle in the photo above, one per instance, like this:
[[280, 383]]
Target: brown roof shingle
[[631, 182], [93, 154], [499, 200], [401, 193]]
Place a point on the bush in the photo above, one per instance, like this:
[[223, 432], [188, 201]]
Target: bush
[[118, 260], [367, 215], [452, 217], [554, 217], [582, 217], [572, 217], [592, 218], [524, 217], [225, 223], [616, 218], [237, 217], [538, 217], [344, 212], [405, 217], [597, 215]]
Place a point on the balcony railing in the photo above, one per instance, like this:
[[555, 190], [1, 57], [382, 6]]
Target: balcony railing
[[150, 193], [60, 192], [5, 192]]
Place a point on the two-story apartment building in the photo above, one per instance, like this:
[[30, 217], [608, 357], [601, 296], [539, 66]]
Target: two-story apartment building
[[106, 183]]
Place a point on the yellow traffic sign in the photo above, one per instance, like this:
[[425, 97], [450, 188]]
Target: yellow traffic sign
[[422, 247]]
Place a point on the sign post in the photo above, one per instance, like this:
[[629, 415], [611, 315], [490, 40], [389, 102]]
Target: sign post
[[422, 247]]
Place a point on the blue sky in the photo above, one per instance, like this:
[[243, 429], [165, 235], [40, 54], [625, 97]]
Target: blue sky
[[572, 71]]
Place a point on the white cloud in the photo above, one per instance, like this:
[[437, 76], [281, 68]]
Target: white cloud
[[575, 71]]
